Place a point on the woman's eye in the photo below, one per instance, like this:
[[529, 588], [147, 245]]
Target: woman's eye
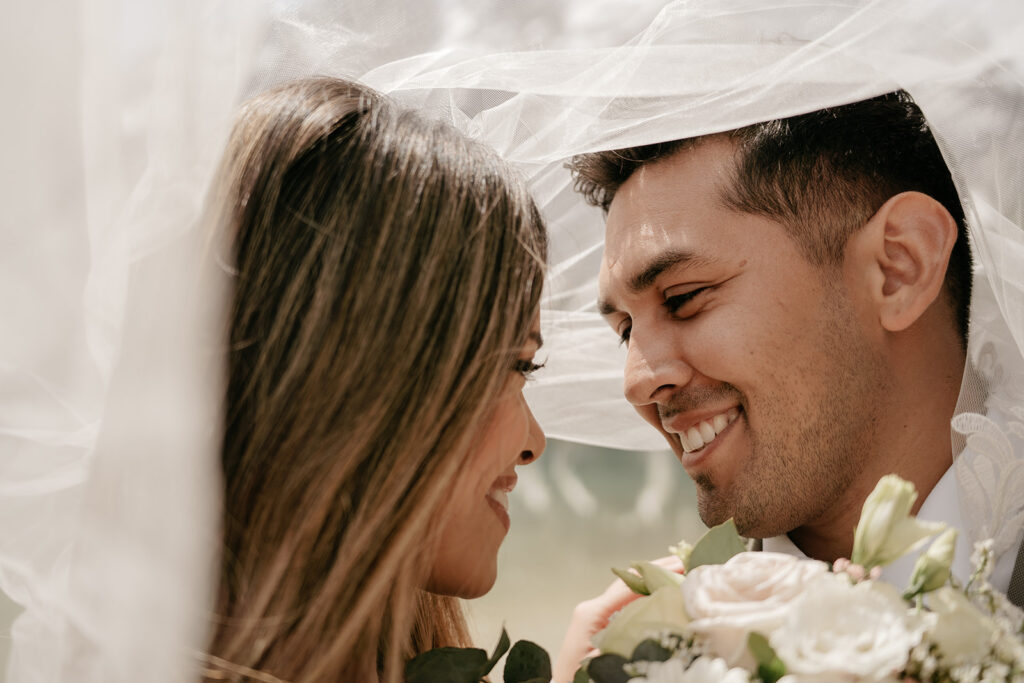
[[676, 303], [624, 335], [526, 368]]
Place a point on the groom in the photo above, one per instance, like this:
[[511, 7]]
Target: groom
[[794, 298]]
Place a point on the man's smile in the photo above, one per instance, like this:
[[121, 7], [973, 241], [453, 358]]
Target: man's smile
[[696, 434]]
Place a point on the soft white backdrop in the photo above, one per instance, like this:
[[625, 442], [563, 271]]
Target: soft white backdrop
[[114, 112], [80, 155]]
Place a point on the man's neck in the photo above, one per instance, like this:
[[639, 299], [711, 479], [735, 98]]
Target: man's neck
[[916, 447], [831, 536]]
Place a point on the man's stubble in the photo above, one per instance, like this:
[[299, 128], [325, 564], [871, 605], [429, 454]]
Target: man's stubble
[[800, 466]]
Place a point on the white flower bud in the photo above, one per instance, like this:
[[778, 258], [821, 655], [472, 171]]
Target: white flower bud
[[932, 569], [886, 530]]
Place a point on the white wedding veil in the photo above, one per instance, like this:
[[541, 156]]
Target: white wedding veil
[[113, 118]]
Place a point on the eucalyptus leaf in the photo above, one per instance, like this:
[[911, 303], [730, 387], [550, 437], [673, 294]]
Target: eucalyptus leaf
[[656, 576], [717, 545], [608, 669], [650, 650], [447, 665], [636, 583], [769, 667], [500, 649], [526, 662], [581, 676]]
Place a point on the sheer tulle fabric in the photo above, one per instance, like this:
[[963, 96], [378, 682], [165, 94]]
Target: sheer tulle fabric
[[114, 119]]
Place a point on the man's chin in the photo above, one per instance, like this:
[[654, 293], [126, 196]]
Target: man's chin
[[715, 509], [711, 508]]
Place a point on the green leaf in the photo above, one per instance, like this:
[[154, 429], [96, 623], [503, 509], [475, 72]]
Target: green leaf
[[500, 649], [656, 576], [635, 582], [607, 669], [650, 650], [662, 611], [717, 545], [527, 661], [447, 665], [581, 676], [769, 667]]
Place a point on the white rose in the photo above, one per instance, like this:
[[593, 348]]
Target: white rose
[[750, 592], [702, 670], [835, 629], [961, 631]]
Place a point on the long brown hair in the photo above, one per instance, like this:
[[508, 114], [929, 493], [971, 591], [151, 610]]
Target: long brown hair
[[388, 272]]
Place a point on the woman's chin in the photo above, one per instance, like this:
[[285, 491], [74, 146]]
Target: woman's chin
[[463, 583]]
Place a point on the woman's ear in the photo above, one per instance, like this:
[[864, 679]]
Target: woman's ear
[[906, 245]]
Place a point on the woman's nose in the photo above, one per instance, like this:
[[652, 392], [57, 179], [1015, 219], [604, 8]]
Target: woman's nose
[[536, 441]]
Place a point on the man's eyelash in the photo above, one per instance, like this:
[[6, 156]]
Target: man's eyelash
[[674, 303], [624, 336], [527, 367], [671, 304]]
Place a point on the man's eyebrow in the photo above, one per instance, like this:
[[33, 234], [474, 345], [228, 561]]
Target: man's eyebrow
[[659, 264], [646, 276]]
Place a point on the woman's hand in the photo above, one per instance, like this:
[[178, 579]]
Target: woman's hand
[[591, 616]]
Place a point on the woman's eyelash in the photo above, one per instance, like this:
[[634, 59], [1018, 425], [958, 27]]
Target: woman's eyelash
[[624, 336], [527, 367]]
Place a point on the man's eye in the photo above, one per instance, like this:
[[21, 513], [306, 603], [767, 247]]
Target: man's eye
[[675, 304]]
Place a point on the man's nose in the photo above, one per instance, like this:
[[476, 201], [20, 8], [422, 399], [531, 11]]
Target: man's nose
[[654, 365]]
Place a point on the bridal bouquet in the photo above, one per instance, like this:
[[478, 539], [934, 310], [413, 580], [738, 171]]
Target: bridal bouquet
[[738, 616]]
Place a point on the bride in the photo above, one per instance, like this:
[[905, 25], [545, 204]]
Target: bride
[[387, 279]]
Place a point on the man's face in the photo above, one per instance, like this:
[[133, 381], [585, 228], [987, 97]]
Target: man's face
[[756, 365]]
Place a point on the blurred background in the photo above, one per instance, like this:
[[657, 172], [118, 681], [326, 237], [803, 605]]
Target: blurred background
[[8, 610]]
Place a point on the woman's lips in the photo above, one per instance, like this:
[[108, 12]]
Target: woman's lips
[[497, 498]]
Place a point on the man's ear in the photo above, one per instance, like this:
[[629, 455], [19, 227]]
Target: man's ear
[[908, 241]]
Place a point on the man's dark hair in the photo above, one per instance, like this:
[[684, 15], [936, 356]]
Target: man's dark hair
[[822, 175]]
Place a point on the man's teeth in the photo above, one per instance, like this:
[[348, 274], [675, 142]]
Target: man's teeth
[[500, 497], [705, 431]]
